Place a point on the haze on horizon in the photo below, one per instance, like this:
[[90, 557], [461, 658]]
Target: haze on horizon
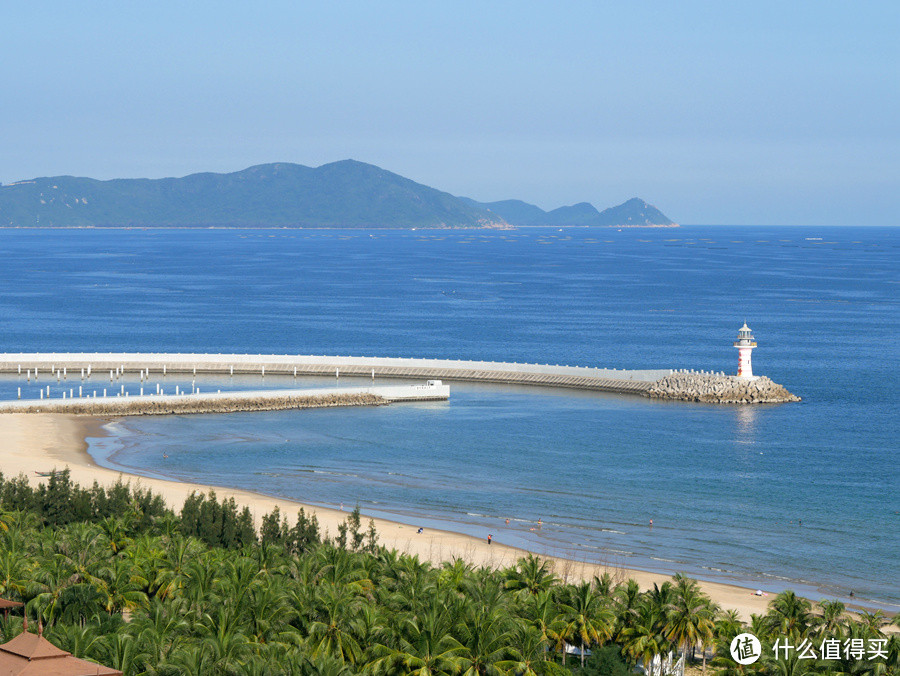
[[767, 113]]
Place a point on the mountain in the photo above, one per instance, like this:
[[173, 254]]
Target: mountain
[[341, 194], [345, 194], [634, 212]]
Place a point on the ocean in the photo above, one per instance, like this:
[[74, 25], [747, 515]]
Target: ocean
[[802, 496]]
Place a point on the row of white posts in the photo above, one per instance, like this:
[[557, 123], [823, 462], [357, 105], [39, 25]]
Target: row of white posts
[[121, 393]]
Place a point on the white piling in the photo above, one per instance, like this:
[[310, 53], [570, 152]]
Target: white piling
[[64, 394], [71, 392], [337, 374], [104, 391], [110, 375], [231, 370], [176, 389], [295, 371], [82, 374], [20, 393], [80, 393], [65, 373], [142, 391], [42, 394], [28, 375], [195, 370], [157, 388], [164, 369], [89, 371], [264, 371], [20, 369]]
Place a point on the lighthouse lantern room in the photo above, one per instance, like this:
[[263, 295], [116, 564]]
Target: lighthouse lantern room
[[745, 345]]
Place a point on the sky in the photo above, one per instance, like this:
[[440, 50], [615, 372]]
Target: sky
[[715, 112]]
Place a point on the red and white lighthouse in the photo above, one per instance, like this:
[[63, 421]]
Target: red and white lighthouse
[[745, 345]]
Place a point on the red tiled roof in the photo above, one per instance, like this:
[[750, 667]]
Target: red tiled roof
[[32, 655]]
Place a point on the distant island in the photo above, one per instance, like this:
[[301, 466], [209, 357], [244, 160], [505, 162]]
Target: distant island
[[345, 194]]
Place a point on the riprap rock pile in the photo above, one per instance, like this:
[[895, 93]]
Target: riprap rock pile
[[718, 389]]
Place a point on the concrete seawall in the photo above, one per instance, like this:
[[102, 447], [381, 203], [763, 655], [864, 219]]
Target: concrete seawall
[[546, 375], [230, 402]]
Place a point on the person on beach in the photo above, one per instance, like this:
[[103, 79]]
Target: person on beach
[[507, 522], [490, 537], [651, 523]]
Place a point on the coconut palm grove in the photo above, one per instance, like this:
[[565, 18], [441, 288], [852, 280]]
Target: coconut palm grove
[[114, 576]]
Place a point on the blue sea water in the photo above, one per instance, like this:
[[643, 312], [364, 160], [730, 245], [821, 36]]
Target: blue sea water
[[726, 486]]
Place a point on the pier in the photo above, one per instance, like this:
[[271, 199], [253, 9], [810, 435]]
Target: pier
[[544, 375], [681, 384], [231, 402]]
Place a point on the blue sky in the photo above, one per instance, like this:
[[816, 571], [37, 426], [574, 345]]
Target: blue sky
[[763, 112]]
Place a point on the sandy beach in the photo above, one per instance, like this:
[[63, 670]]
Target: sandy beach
[[42, 442]]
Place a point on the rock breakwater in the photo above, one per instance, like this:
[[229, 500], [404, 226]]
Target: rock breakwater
[[718, 389], [187, 404]]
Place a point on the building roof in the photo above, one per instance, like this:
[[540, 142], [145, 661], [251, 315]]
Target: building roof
[[32, 655]]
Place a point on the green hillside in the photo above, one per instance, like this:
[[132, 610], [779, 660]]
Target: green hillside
[[342, 194]]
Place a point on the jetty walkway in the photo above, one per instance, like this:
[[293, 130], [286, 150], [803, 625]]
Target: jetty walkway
[[98, 365], [230, 402]]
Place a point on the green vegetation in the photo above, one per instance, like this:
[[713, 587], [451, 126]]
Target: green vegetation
[[633, 212], [116, 577], [345, 194]]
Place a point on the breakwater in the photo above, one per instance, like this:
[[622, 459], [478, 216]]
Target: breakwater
[[99, 365], [718, 389], [230, 402], [653, 383]]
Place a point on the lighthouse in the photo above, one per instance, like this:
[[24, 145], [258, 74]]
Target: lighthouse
[[745, 345]]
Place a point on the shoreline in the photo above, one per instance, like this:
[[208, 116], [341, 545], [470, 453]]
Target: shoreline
[[42, 442]]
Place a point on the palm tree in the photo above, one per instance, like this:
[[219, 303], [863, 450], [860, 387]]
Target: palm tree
[[122, 652], [162, 630], [530, 575], [641, 641], [486, 636], [588, 619], [81, 641], [789, 614], [541, 612], [122, 585], [689, 617], [628, 604], [605, 585], [531, 657], [332, 632], [423, 644]]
